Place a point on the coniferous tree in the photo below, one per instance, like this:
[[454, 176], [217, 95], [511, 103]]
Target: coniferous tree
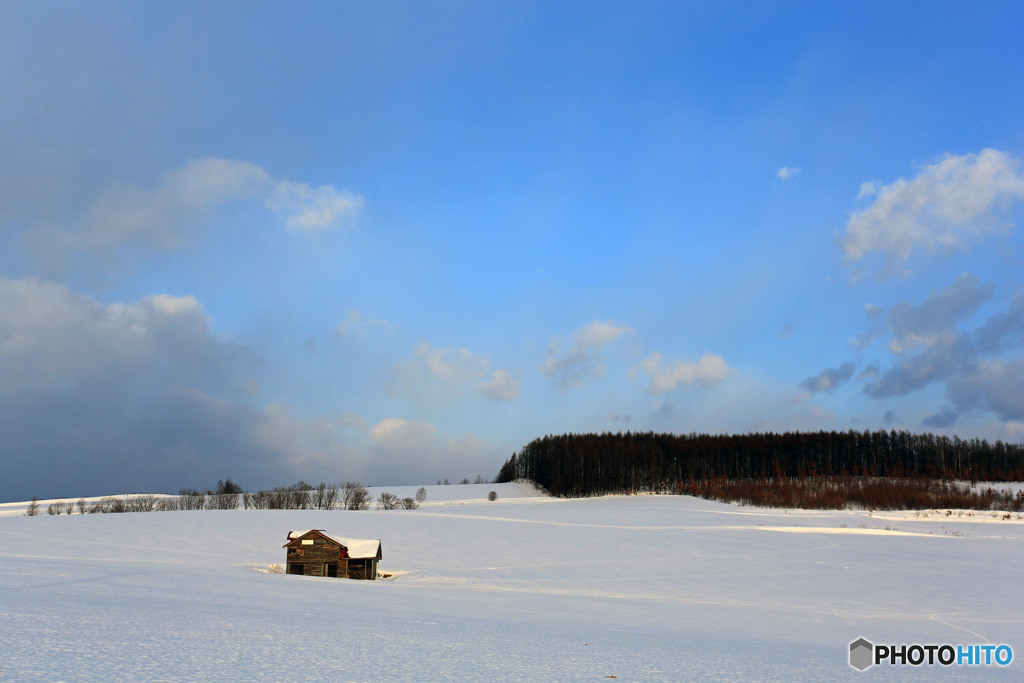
[[591, 464]]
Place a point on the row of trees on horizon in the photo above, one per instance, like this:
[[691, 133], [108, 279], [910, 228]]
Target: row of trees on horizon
[[593, 464], [228, 495], [349, 495]]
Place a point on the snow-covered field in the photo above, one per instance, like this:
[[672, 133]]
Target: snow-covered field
[[523, 588]]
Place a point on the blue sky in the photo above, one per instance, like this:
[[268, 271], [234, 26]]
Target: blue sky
[[394, 242]]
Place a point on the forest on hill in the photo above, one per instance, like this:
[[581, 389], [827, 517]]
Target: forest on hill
[[593, 464]]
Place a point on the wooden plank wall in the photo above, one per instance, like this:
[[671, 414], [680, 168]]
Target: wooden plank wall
[[314, 557]]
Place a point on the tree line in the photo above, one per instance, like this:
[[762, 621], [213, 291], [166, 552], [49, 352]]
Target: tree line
[[594, 464], [349, 495]]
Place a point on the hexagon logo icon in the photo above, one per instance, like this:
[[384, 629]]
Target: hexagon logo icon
[[861, 654]]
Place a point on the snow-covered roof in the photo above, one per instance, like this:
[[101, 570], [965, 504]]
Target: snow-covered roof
[[357, 547]]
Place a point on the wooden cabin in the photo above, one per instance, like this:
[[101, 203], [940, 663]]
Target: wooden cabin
[[316, 553]]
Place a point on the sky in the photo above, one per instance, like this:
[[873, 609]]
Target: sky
[[394, 242]]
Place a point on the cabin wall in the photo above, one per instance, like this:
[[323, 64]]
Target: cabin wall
[[351, 569], [314, 557]]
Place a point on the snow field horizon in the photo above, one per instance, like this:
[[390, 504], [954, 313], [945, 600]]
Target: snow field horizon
[[527, 586], [436, 494]]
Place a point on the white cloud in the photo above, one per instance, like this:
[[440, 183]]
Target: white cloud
[[308, 445], [581, 362], [453, 365], [155, 217], [501, 387], [1014, 430], [598, 334], [314, 209], [392, 451], [49, 334], [355, 324], [176, 305], [116, 395], [403, 435], [867, 189], [787, 172], [412, 451], [707, 372], [141, 396], [210, 181], [457, 368], [162, 217], [947, 204]]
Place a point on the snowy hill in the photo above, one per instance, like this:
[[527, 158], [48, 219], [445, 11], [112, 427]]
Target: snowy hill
[[525, 587]]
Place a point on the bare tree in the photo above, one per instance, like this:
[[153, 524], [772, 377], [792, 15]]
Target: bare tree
[[331, 496], [56, 508], [316, 496], [222, 501], [33, 507], [190, 499], [277, 498], [297, 496], [409, 504], [140, 503], [492, 496], [325, 496], [225, 496], [388, 501], [81, 506], [421, 494], [260, 500], [354, 496]]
